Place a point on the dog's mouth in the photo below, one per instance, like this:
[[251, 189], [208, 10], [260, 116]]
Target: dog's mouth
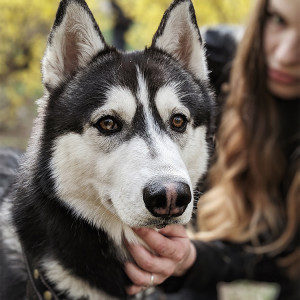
[[162, 222], [161, 226]]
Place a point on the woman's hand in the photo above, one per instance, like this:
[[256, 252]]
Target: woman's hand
[[173, 254]]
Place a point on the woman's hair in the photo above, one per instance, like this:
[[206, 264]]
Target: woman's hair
[[244, 201]]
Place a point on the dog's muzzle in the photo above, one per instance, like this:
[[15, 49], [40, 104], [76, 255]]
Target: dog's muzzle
[[167, 199]]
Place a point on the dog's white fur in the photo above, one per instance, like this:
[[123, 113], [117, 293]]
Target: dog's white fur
[[9, 237]]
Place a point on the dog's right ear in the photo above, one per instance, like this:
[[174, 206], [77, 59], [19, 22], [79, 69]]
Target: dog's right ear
[[74, 40]]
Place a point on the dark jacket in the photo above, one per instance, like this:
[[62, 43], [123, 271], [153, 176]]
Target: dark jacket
[[226, 262]]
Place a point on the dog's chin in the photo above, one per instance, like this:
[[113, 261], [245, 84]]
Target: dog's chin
[[162, 222]]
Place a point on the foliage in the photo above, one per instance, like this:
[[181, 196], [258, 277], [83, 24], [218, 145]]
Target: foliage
[[24, 27], [147, 15]]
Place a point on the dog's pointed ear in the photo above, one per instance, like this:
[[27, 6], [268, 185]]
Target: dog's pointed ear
[[74, 40], [179, 36]]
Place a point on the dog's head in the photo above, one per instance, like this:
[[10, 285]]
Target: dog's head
[[125, 134]]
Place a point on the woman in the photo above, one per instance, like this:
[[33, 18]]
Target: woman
[[249, 220]]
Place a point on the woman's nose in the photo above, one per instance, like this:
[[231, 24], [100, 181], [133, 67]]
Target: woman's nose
[[288, 49]]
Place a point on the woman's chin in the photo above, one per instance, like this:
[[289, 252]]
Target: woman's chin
[[284, 91]]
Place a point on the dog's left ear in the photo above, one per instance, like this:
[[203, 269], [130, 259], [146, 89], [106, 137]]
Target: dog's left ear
[[179, 36]]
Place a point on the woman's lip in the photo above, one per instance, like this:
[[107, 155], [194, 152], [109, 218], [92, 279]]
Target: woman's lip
[[282, 77]]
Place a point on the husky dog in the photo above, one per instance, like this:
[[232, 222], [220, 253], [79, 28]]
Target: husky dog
[[121, 140]]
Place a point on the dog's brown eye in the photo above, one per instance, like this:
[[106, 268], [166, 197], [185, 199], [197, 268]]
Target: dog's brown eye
[[108, 125], [178, 122]]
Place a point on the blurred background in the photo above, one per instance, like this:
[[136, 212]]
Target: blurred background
[[126, 24]]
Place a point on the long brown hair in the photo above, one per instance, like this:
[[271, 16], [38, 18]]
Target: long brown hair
[[244, 200]]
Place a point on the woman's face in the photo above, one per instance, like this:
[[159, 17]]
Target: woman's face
[[282, 48]]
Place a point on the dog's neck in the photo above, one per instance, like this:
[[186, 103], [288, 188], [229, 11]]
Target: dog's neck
[[77, 258]]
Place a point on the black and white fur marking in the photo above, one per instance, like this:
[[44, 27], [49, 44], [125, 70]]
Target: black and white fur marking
[[120, 141]]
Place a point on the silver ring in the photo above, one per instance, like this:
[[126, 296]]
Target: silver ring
[[151, 280]]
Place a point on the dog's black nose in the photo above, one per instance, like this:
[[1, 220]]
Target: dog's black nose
[[168, 199]]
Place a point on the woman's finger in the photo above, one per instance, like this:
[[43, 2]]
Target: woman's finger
[[169, 243], [134, 289], [149, 261], [141, 278], [174, 231]]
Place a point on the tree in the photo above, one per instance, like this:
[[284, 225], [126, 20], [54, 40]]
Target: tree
[[24, 27]]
